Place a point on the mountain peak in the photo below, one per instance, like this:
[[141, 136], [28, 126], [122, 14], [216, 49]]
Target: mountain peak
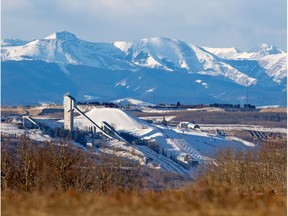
[[265, 49], [61, 35]]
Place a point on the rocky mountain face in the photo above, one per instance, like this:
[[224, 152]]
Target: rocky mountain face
[[157, 70]]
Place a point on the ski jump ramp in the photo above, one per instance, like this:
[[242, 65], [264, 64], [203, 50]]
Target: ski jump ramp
[[69, 108]]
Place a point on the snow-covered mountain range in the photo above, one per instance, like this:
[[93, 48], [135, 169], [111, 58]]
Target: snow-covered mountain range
[[152, 69]]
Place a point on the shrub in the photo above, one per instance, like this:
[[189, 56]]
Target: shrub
[[262, 169], [30, 166]]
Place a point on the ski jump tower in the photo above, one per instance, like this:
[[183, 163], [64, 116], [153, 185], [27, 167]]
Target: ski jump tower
[[69, 105]]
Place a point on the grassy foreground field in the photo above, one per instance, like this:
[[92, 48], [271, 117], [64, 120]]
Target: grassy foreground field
[[189, 201]]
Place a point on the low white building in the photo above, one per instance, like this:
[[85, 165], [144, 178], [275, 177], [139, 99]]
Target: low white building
[[188, 125]]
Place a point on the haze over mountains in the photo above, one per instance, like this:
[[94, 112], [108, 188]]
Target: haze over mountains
[[157, 70]]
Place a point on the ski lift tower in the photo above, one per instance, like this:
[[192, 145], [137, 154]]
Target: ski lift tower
[[69, 105]]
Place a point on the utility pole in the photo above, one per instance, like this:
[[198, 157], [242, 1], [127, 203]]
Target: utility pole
[[247, 93]]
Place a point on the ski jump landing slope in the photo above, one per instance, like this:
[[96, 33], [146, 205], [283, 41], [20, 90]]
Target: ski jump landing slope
[[117, 118]]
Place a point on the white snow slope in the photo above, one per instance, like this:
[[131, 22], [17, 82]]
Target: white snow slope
[[117, 118]]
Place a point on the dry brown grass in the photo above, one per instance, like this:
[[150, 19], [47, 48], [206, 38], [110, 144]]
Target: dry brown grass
[[269, 119], [190, 201], [6, 111], [51, 111], [274, 109]]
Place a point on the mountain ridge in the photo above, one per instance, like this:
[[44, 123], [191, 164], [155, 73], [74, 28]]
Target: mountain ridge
[[242, 69]]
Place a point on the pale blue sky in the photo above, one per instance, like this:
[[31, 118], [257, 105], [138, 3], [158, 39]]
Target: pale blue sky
[[214, 23]]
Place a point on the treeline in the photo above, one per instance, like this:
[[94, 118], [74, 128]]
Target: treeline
[[96, 103], [245, 107], [30, 166], [249, 107]]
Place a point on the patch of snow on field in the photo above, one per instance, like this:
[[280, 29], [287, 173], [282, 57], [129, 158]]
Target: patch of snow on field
[[242, 127], [241, 141], [131, 101], [127, 152]]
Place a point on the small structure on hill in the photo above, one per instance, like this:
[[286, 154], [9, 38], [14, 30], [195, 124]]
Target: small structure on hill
[[186, 160], [188, 125]]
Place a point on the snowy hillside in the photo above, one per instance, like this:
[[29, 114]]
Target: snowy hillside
[[275, 66], [64, 48], [270, 58], [174, 55], [165, 53], [257, 52], [171, 140], [149, 69]]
